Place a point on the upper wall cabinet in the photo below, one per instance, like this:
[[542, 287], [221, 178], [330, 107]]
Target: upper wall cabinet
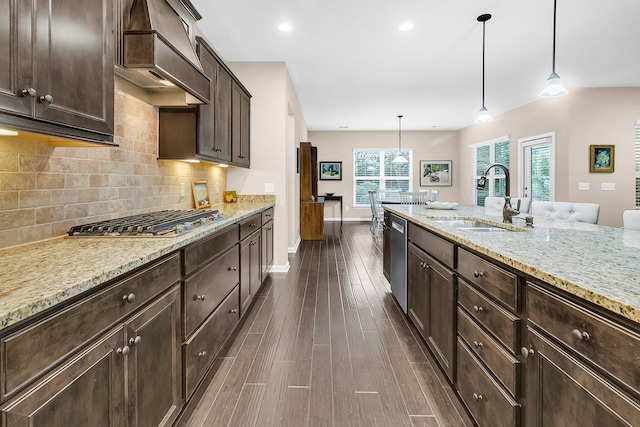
[[217, 132], [56, 67]]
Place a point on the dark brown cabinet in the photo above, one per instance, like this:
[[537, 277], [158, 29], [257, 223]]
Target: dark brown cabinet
[[240, 125], [250, 269], [57, 68], [386, 246], [267, 248], [432, 302], [222, 115]]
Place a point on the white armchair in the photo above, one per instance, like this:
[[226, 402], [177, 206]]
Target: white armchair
[[631, 220], [568, 211]]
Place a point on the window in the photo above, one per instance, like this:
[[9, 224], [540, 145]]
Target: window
[[374, 170], [484, 154], [638, 164], [537, 179]]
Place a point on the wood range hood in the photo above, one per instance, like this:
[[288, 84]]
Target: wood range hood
[[158, 52]]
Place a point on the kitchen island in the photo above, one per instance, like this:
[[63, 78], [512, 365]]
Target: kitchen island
[[531, 325], [114, 330]]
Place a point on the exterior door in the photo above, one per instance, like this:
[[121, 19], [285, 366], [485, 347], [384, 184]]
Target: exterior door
[[538, 169]]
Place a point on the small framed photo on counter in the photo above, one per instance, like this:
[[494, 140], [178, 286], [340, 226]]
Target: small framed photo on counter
[[601, 158], [201, 194], [331, 171]]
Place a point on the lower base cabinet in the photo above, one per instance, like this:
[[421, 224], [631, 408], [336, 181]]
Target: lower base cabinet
[[130, 376]]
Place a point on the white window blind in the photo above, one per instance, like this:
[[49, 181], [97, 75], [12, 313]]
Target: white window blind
[[374, 170], [483, 155], [537, 169], [638, 164]]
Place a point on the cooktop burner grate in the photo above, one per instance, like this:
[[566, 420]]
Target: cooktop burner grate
[[164, 223]]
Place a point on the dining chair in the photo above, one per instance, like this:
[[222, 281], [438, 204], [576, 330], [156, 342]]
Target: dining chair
[[434, 195], [631, 219], [413, 198], [377, 213], [568, 211]]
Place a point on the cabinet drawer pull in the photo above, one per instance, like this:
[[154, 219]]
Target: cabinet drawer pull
[[478, 274], [46, 99], [124, 351], [477, 397], [233, 268], [253, 225], [135, 341], [477, 344], [478, 308], [233, 311], [31, 92], [198, 297], [580, 336], [202, 354], [527, 352], [129, 298]]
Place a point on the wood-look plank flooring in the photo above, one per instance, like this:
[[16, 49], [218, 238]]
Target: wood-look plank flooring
[[326, 344]]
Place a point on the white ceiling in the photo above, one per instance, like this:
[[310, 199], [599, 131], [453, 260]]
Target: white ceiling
[[351, 66]]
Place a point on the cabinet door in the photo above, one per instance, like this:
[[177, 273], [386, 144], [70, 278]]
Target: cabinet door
[[267, 249], [562, 391], [206, 116], [418, 290], [250, 269], [386, 247], [15, 56], [74, 60], [222, 114], [154, 363], [87, 391], [240, 117], [442, 314]]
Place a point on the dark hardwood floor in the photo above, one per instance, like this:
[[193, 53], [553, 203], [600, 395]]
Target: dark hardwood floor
[[327, 345]]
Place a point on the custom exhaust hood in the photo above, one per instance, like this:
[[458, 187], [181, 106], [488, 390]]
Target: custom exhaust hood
[[158, 52]]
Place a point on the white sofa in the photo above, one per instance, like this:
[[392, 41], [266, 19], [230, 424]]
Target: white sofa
[[568, 211]]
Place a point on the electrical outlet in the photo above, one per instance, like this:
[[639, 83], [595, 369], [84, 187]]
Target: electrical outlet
[[182, 190], [269, 187]]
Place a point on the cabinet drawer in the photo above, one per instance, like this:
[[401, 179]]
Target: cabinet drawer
[[487, 401], [29, 352], [206, 342], [206, 289], [612, 347], [499, 283], [250, 225], [211, 247], [503, 365], [267, 216], [443, 250], [501, 323]]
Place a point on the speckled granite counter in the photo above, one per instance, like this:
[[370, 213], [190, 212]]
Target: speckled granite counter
[[37, 276], [599, 264]]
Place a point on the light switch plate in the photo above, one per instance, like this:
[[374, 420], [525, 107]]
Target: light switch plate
[[583, 186], [608, 186], [269, 187]]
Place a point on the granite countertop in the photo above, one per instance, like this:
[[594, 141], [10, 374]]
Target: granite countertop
[[596, 263], [40, 275]]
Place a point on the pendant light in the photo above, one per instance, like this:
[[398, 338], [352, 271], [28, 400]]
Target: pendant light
[[554, 86], [400, 158], [483, 114]]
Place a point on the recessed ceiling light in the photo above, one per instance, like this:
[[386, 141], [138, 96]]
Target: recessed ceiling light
[[406, 26], [285, 27]]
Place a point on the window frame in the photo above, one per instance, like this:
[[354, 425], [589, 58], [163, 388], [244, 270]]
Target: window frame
[[381, 177], [495, 173]]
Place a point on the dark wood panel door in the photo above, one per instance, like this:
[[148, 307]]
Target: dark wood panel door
[[267, 249], [418, 290], [74, 63], [155, 363], [250, 269], [240, 122], [15, 57], [88, 390], [222, 114], [206, 112], [442, 315], [563, 391]]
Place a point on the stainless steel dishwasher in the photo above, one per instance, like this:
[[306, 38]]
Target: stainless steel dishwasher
[[398, 267]]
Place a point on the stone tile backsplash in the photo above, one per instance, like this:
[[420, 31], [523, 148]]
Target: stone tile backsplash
[[45, 190]]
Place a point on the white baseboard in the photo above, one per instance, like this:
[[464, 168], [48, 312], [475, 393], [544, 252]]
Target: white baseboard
[[348, 219], [280, 268], [294, 249]]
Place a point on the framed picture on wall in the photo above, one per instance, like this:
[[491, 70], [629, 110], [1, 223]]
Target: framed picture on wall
[[601, 158], [331, 171], [435, 173]]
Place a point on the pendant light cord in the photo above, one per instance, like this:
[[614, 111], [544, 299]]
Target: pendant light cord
[[483, 38], [399, 134], [553, 60]]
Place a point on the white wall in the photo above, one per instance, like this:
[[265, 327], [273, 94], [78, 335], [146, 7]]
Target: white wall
[[339, 146], [275, 113]]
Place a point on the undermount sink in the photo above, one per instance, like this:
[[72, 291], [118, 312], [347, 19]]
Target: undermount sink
[[466, 224]]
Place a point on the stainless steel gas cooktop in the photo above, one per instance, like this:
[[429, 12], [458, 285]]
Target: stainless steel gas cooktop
[[168, 223]]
